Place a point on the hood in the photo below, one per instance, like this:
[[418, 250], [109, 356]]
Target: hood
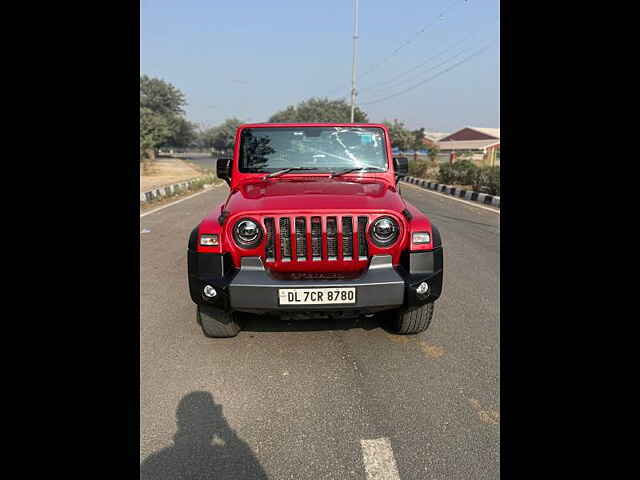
[[313, 193]]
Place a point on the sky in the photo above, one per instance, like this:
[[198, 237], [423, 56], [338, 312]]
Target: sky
[[249, 59]]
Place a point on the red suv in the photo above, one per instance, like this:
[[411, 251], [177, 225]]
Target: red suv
[[314, 227]]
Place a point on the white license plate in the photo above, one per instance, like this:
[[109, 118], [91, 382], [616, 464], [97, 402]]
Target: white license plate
[[316, 296]]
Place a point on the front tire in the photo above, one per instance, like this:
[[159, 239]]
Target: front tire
[[414, 320], [217, 323]]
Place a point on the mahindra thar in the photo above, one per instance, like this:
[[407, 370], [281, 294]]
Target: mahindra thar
[[314, 226]]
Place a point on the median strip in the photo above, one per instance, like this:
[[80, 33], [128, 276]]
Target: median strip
[[469, 195]]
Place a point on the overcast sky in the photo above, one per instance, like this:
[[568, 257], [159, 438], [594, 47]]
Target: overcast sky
[[252, 58]]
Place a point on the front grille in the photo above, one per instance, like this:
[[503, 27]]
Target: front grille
[[332, 238], [316, 238], [301, 238], [270, 249], [347, 238], [285, 239], [362, 237]]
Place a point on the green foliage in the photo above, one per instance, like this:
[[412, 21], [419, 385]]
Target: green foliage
[[434, 150], [464, 172], [161, 97], [222, 136], [182, 133], [488, 179], [162, 122], [446, 174], [401, 137], [154, 130], [418, 168], [418, 139], [319, 110]]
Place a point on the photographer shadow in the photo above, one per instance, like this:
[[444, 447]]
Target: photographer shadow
[[204, 447]]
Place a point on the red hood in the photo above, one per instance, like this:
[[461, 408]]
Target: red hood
[[313, 193]]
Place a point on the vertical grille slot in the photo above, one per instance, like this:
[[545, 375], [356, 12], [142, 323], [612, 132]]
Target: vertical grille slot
[[270, 249], [332, 238], [363, 250], [301, 238], [347, 238], [316, 238], [285, 239]]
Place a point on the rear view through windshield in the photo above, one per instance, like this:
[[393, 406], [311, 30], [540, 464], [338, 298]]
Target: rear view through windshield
[[322, 149]]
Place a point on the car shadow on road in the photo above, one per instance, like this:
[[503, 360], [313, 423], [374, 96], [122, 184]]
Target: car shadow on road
[[204, 447], [273, 323]]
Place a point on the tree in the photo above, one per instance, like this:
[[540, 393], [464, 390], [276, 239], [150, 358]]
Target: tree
[[319, 110], [182, 133], [154, 130], [434, 150], [221, 137], [161, 97], [401, 138], [162, 121]]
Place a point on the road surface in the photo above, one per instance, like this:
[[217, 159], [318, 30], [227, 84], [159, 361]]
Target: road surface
[[322, 399]]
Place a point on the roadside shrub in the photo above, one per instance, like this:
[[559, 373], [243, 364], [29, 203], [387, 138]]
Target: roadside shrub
[[446, 173], [487, 179], [492, 180], [464, 172], [418, 168]]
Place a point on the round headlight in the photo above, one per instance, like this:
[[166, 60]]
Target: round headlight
[[384, 231], [247, 233]]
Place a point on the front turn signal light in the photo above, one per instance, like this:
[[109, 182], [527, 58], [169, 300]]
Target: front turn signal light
[[419, 238], [209, 240]]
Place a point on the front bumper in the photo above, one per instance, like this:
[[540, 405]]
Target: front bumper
[[252, 288]]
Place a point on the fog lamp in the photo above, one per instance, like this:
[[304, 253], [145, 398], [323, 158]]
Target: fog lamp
[[209, 291], [422, 288]]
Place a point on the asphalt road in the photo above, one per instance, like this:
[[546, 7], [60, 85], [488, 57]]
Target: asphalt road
[[321, 399]]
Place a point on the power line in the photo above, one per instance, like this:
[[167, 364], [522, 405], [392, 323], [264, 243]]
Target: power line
[[475, 54], [411, 40], [377, 86], [407, 42], [425, 62]]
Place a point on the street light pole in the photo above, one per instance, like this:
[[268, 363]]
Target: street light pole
[[353, 68]]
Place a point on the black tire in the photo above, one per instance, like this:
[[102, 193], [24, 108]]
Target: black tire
[[414, 320], [217, 325]]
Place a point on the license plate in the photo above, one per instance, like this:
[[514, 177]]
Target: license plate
[[316, 296]]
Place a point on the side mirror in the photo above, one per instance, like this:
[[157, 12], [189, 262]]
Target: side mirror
[[401, 165], [223, 169]]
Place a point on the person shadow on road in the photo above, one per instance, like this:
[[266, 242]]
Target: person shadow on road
[[205, 447]]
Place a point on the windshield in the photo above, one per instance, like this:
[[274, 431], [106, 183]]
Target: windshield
[[320, 149]]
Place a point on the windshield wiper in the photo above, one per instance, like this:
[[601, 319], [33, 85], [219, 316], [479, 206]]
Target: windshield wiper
[[356, 169], [287, 170]]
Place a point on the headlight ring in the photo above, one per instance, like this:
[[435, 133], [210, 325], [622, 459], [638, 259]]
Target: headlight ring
[[247, 233], [384, 231]]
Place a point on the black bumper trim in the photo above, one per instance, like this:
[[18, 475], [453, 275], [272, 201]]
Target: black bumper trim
[[253, 289]]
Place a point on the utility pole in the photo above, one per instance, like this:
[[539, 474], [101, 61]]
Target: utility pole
[[353, 68]]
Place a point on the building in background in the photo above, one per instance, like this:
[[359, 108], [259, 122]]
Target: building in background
[[480, 145], [431, 138]]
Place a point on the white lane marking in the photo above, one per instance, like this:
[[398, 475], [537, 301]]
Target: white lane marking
[[178, 201], [378, 459], [451, 197]]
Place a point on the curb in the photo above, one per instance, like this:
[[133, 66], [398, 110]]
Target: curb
[[169, 190], [470, 195]]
